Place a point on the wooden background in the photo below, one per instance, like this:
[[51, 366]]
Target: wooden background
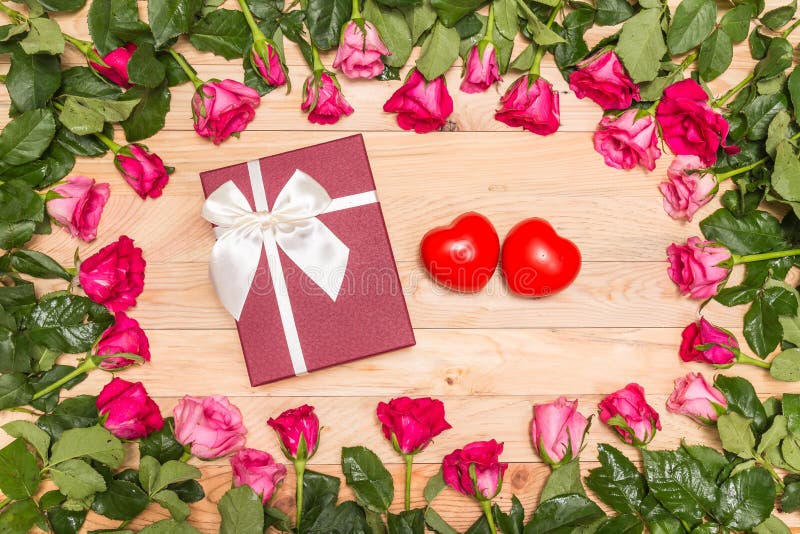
[[489, 356]]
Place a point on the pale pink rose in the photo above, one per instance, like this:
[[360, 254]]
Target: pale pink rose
[[212, 426], [626, 141], [80, 206], [359, 54], [557, 430], [481, 70], [694, 267], [223, 108], [686, 192], [694, 398], [258, 470]]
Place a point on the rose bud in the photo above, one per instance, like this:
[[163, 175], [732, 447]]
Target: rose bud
[[602, 78], [627, 412], [324, 101], [79, 206], [127, 411], [557, 430], [267, 63], [117, 60], [212, 426], [144, 172], [114, 276], [258, 470], [421, 105], [298, 430], [359, 54], [532, 103], [689, 125], [694, 267], [223, 108], [686, 192], [703, 342], [411, 424], [694, 398], [626, 141], [481, 70], [124, 336], [484, 458]]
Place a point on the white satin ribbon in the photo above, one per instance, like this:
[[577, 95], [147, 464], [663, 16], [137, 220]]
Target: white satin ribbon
[[291, 225]]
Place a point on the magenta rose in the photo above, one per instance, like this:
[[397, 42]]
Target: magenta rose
[[79, 206], [686, 192], [557, 430], [481, 70], [488, 470], [689, 125], [359, 54], [627, 412], [701, 341], [223, 108], [114, 276], [144, 172], [267, 63], [258, 470], [421, 105], [117, 60], [626, 141], [694, 267], [127, 411], [324, 101], [411, 424], [532, 103], [298, 430], [211, 426], [602, 78], [694, 398], [125, 335]]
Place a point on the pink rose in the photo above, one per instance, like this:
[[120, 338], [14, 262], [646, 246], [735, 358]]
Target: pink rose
[[127, 411], [222, 109], [694, 267], [411, 424], [626, 141], [212, 426], [532, 103], [694, 398], [485, 457], [144, 172], [557, 430], [627, 412], [602, 78], [114, 276], [685, 192], [689, 125], [359, 54], [258, 470], [268, 65], [298, 430], [117, 61], [421, 105], [124, 335], [481, 70], [324, 101], [701, 341], [80, 207]]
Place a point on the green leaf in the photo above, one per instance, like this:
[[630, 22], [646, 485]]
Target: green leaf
[[736, 434], [617, 482], [13, 235], [93, 442], [434, 487], [223, 32], [439, 51], [409, 522], [188, 491], [162, 444], [451, 11], [148, 473], [506, 18], [435, 522], [37, 264], [76, 479], [793, 85], [18, 201], [772, 525], [760, 112], [622, 524], [786, 366], [8, 31], [736, 22], [83, 116], [420, 19], [393, 29], [172, 472], [774, 434], [716, 54], [691, 24], [779, 16], [755, 232], [30, 433], [43, 38], [346, 518], [736, 295], [178, 509], [762, 329], [65, 521], [612, 12], [74, 412], [370, 480], [149, 116], [746, 499], [144, 69], [786, 175], [19, 472], [26, 137], [776, 133], [82, 145], [325, 19], [169, 526], [563, 479], [563, 513], [511, 522], [641, 45], [679, 482], [68, 323], [170, 18], [777, 59], [114, 22], [14, 390], [241, 512], [19, 517], [319, 492], [32, 80], [541, 34], [710, 459], [62, 5], [122, 501], [658, 519]]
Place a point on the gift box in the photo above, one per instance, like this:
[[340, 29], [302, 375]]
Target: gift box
[[303, 261]]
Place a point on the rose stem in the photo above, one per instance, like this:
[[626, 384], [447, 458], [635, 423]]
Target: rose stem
[[356, 11], [108, 142], [409, 462], [198, 83], [258, 35], [300, 470], [487, 511], [790, 29], [719, 102], [749, 360], [87, 365], [750, 258], [540, 50]]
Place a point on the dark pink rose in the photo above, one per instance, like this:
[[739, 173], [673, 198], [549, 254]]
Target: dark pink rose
[[694, 267], [359, 54], [114, 276], [421, 105], [411, 424], [557, 430], [694, 398], [481, 70], [532, 103], [223, 108], [689, 125], [602, 78], [258, 470], [125, 335], [80, 207], [686, 192], [324, 101], [212, 426], [485, 457], [268, 65], [626, 141], [627, 412], [117, 61], [127, 411], [701, 341], [298, 430], [144, 172]]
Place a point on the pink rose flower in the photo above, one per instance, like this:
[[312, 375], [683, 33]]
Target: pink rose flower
[[268, 65], [144, 172], [694, 398], [694, 267], [634, 420], [80, 207], [117, 61], [626, 141], [715, 344], [298, 430], [602, 78], [532, 103], [127, 411], [689, 125], [421, 105], [481, 70], [223, 108], [258, 470], [212, 426], [557, 430], [125, 335], [685, 192], [411, 424], [324, 101], [359, 54], [114, 276], [485, 457]]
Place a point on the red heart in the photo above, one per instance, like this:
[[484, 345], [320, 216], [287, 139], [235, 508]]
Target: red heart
[[463, 255], [538, 262]]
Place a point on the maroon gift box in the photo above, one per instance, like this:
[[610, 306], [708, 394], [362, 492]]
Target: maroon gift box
[[368, 317]]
